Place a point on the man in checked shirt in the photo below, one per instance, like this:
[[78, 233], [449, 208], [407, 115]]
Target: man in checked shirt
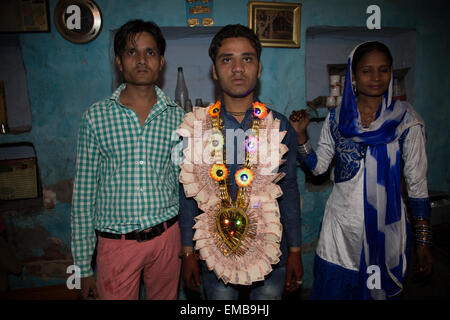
[[126, 185]]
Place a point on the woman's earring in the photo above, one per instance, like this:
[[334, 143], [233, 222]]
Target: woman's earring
[[354, 88]]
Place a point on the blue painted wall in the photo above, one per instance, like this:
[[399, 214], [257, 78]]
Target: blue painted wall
[[65, 78]]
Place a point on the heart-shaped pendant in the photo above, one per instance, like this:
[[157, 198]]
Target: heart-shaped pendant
[[232, 225]]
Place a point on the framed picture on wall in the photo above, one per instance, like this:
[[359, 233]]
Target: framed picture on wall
[[277, 24], [24, 16]]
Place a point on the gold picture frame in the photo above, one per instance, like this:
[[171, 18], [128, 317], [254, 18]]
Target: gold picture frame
[[277, 24]]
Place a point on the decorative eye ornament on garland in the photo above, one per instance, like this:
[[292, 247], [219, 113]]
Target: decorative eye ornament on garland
[[214, 110], [259, 110], [218, 172], [251, 144], [244, 177], [216, 141]]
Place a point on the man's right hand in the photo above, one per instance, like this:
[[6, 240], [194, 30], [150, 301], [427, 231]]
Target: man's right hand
[[88, 289], [191, 272]]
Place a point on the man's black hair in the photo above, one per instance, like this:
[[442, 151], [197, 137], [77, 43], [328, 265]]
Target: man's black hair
[[133, 27], [233, 31]]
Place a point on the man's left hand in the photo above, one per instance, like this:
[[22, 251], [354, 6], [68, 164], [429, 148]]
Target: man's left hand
[[294, 271]]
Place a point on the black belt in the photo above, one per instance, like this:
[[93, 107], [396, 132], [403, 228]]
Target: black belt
[[140, 236]]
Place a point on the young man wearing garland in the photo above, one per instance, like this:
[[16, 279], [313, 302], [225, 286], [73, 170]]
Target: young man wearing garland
[[239, 205]]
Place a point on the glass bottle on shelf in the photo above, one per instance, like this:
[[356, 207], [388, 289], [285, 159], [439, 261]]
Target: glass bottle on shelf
[[3, 114], [198, 102], [181, 91], [188, 105]]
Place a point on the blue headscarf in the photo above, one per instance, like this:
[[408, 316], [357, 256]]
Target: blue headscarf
[[384, 213]]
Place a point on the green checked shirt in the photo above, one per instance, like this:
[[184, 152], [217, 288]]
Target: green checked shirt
[[125, 178]]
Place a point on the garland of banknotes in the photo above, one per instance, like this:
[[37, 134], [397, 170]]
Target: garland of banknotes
[[240, 239]]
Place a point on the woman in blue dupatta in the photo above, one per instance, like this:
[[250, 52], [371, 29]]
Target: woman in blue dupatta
[[364, 241]]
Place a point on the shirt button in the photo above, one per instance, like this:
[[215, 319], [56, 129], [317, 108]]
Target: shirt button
[[141, 162]]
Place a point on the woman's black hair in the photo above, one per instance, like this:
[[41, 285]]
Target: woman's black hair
[[369, 47], [133, 27], [233, 31]]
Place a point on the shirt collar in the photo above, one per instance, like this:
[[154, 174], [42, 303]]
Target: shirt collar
[[162, 97], [116, 94]]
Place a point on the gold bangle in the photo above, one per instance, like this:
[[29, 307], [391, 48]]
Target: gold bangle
[[186, 251], [186, 254]]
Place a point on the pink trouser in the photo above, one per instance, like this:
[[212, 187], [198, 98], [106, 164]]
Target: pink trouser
[[120, 264]]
